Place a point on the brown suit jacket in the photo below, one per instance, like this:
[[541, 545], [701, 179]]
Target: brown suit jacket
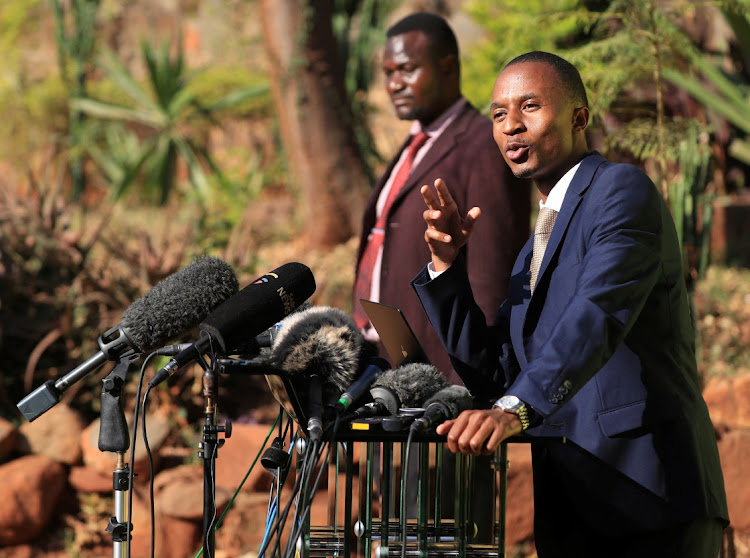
[[469, 161]]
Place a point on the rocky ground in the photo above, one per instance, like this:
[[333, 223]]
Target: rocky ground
[[57, 485]]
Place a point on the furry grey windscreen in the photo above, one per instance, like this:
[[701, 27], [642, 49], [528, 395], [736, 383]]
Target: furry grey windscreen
[[455, 399], [322, 340], [413, 383], [179, 302]]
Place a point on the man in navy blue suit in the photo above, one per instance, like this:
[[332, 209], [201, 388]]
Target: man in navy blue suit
[[591, 357]]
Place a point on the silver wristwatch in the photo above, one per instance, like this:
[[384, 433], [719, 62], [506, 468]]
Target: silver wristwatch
[[512, 404]]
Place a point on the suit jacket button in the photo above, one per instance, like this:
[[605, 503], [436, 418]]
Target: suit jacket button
[[568, 384]]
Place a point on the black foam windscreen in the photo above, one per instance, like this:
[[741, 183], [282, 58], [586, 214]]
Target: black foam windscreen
[[454, 399], [260, 305], [444, 405], [178, 303], [413, 383]]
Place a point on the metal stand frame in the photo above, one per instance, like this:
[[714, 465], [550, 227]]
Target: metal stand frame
[[208, 450], [446, 522], [114, 437]]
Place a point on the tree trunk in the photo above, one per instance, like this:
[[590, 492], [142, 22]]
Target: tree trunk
[[307, 81]]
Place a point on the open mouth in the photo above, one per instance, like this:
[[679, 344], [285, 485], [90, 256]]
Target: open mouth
[[516, 152]]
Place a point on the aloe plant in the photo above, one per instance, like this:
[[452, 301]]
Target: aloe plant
[[74, 49], [720, 93], [168, 110]]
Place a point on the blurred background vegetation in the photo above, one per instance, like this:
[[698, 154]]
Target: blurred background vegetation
[[137, 136]]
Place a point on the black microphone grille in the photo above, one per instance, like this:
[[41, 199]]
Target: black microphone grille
[[179, 302]]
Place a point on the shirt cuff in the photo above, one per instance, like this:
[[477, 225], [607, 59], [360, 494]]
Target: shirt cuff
[[431, 270]]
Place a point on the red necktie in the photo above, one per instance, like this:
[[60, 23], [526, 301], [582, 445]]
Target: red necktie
[[363, 283]]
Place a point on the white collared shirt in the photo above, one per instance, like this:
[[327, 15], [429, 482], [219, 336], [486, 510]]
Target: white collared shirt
[[554, 201]]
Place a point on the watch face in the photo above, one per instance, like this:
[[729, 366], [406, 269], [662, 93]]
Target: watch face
[[510, 403]]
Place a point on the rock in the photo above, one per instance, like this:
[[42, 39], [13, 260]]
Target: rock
[[242, 529], [8, 439], [106, 461], [237, 454], [180, 508], [86, 479], [32, 486], [728, 401], [734, 451], [56, 434], [19, 551]]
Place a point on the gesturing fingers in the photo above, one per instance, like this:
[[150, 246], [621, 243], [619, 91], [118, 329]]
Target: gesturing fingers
[[443, 194], [430, 198]]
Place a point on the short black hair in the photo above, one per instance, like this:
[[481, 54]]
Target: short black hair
[[568, 74], [434, 27]]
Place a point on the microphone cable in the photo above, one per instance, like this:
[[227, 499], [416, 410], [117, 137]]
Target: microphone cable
[[131, 467], [404, 490], [277, 527], [242, 483], [306, 506], [312, 455], [203, 365], [279, 480]]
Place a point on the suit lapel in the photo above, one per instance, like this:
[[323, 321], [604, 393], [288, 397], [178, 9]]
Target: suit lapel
[[578, 186], [573, 197], [443, 145]]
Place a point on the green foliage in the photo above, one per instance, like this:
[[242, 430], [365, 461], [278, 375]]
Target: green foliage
[[723, 312], [727, 94], [359, 29], [170, 113], [26, 118], [33, 114], [16, 17], [510, 29], [75, 44], [225, 89], [626, 51]]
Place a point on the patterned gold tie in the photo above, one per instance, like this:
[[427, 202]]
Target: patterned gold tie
[[544, 223]]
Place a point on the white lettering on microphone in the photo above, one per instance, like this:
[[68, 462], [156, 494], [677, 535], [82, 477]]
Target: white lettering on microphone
[[287, 300]]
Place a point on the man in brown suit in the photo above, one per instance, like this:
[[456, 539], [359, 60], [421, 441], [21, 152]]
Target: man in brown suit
[[422, 76]]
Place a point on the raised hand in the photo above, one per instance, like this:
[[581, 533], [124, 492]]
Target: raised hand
[[446, 231]]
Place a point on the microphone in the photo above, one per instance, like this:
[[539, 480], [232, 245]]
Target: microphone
[[406, 386], [413, 383], [397, 396], [255, 308], [446, 404], [355, 391], [261, 344], [323, 340], [319, 350], [176, 304]]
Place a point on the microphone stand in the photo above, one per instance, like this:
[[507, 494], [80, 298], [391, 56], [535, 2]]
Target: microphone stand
[[208, 449], [113, 436]]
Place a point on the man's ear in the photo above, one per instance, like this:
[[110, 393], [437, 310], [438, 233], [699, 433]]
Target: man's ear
[[580, 119], [449, 64]]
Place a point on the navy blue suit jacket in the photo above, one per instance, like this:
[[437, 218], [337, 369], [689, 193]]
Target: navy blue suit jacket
[[604, 352]]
